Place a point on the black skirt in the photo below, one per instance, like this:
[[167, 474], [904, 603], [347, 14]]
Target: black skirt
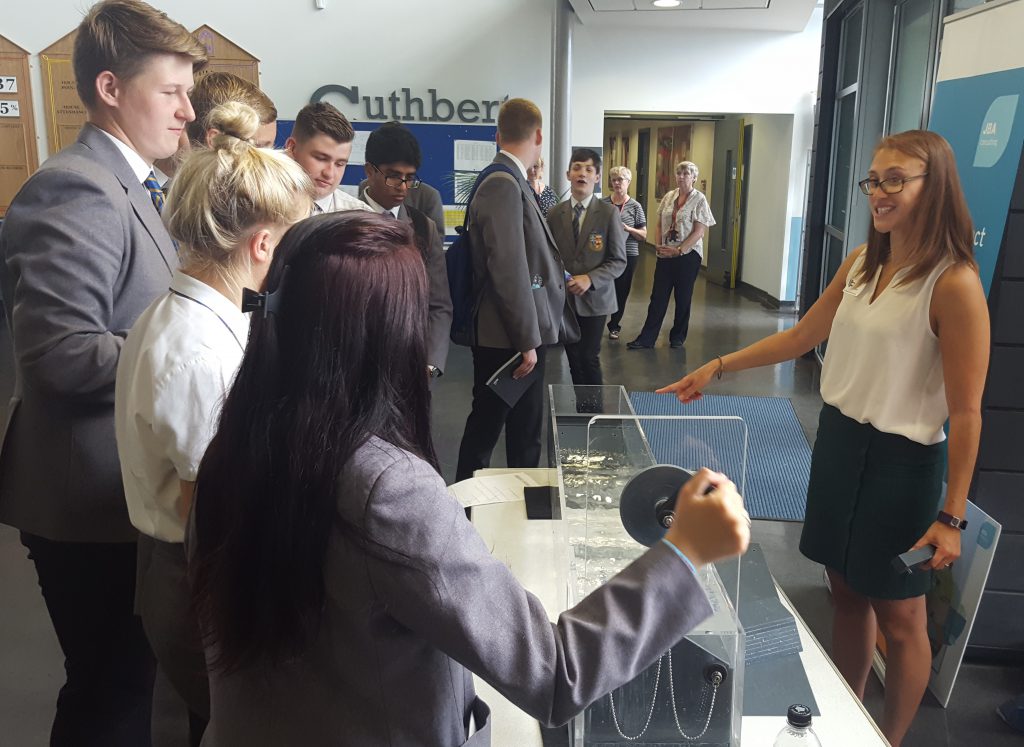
[[871, 496]]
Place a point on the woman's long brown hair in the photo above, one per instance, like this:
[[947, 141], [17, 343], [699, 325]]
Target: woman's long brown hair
[[942, 227]]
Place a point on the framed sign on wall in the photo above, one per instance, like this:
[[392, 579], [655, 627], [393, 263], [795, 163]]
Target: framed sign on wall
[[227, 57], [18, 150], [65, 112]]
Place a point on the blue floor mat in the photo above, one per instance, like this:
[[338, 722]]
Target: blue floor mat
[[778, 457]]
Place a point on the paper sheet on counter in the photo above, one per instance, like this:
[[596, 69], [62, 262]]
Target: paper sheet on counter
[[479, 491]]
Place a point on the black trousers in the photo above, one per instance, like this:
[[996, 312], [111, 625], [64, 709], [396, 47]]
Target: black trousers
[[673, 275], [89, 590], [585, 356], [623, 284], [489, 414]]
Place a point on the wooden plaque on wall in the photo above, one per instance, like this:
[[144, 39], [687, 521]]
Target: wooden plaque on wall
[[18, 151], [65, 112], [226, 56]]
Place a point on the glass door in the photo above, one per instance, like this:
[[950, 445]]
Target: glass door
[[844, 129]]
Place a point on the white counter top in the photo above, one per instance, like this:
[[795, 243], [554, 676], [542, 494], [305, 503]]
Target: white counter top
[[531, 549]]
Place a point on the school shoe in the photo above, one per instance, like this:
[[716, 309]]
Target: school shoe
[[675, 344], [637, 345]]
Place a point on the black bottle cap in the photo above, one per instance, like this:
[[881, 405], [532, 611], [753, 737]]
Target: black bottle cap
[[799, 715]]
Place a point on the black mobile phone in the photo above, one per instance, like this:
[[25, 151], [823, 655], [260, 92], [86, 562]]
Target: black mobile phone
[[539, 501]]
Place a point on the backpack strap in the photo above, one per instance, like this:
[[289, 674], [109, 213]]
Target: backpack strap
[[491, 169]]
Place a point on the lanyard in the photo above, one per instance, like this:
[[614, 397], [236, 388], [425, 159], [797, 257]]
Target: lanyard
[[219, 317]]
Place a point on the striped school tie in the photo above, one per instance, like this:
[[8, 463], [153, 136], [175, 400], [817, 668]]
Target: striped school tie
[[576, 212], [156, 194]]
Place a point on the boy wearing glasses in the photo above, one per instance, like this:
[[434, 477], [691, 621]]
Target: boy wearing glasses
[[321, 143], [392, 160]]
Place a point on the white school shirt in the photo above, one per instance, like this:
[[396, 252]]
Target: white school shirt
[[136, 162], [176, 367], [585, 202], [378, 208], [340, 200], [516, 161], [883, 365]]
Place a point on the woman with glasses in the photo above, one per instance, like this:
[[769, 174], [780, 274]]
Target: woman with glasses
[[635, 224], [684, 216], [231, 204], [343, 594], [545, 195], [908, 341]]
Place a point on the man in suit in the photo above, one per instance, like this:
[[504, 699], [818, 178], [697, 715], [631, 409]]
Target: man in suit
[[321, 143], [84, 253], [522, 305], [392, 160], [592, 243]]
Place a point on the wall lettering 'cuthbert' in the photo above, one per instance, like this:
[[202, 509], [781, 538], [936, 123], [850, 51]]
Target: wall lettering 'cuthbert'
[[403, 106]]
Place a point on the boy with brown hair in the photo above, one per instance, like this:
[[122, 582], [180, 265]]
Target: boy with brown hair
[[321, 142], [84, 252], [215, 88]]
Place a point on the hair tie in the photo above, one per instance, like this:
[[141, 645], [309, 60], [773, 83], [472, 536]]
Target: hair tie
[[269, 303]]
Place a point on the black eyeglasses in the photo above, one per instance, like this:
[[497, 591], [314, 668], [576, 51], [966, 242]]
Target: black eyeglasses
[[396, 181], [890, 186]]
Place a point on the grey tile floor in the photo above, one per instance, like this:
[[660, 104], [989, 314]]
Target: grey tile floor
[[30, 660]]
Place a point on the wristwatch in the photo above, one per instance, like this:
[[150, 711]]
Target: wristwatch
[[433, 371], [954, 521]]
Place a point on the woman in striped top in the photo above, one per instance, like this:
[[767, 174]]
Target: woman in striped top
[[635, 223]]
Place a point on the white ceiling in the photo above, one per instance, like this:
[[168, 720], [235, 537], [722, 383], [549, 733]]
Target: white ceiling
[[760, 15]]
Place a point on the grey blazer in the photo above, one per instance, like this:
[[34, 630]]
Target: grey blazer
[[439, 315], [427, 200], [424, 198], [415, 602], [600, 252], [516, 263], [84, 253]]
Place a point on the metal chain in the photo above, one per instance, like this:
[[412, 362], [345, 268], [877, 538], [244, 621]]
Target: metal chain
[[654, 697], [672, 693], [703, 699]]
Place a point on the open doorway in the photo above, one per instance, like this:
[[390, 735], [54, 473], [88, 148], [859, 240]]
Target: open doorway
[[745, 164]]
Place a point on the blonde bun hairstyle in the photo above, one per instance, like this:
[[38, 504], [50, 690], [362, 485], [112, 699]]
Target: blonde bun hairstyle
[[233, 120], [222, 192]]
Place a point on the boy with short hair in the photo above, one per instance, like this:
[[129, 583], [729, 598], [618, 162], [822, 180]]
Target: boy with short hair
[[392, 160], [84, 253], [592, 244], [321, 142], [216, 88]]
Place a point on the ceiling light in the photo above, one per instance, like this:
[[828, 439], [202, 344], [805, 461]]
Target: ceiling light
[[666, 3]]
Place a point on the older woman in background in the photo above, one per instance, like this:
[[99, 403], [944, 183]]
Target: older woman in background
[[635, 223], [683, 218], [545, 195]]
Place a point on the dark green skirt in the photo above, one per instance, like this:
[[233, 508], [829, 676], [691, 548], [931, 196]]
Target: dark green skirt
[[871, 496]]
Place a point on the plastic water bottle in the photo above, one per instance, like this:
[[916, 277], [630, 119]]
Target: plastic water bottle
[[797, 732]]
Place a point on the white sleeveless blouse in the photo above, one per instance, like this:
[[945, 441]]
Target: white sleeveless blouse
[[882, 364]]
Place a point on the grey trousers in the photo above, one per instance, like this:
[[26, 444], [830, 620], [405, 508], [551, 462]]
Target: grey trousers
[[162, 600]]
